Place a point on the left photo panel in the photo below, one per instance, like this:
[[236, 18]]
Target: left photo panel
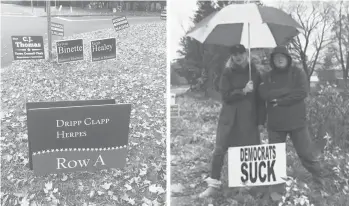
[[83, 103]]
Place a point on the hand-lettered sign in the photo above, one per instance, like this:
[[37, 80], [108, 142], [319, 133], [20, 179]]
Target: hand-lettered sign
[[257, 165], [120, 23], [103, 49], [57, 29], [70, 50], [28, 47], [78, 138], [175, 111]]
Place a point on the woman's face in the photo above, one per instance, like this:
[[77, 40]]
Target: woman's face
[[280, 61], [239, 58]]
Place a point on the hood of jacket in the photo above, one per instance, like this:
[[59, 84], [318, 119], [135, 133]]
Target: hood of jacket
[[280, 50]]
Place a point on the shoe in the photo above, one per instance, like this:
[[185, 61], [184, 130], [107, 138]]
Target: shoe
[[213, 188], [210, 192]]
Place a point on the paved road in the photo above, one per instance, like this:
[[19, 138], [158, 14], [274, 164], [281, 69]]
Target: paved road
[[16, 22]]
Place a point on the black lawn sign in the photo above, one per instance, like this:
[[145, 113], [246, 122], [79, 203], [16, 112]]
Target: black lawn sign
[[103, 49], [175, 111], [57, 29], [77, 135], [28, 47], [120, 23], [70, 50]]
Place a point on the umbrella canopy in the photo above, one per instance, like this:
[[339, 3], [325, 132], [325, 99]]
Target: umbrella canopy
[[268, 27]]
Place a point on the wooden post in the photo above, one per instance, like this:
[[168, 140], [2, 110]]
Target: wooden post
[[49, 35]]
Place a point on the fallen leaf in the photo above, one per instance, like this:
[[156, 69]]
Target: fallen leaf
[[156, 189], [128, 187], [92, 193], [110, 193], [106, 186], [48, 185], [177, 188], [142, 172], [64, 178]]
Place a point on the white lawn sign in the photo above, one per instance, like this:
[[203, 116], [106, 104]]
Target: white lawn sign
[[173, 98], [257, 165]]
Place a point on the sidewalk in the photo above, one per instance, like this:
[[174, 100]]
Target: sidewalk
[[78, 12]]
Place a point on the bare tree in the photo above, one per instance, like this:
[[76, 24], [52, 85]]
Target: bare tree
[[308, 46], [341, 33]]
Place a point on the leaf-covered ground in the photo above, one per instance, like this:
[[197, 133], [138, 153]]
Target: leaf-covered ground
[[136, 76], [192, 144]]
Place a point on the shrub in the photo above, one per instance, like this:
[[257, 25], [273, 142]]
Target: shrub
[[328, 112]]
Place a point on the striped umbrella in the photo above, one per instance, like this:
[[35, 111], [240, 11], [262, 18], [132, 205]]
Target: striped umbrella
[[248, 24]]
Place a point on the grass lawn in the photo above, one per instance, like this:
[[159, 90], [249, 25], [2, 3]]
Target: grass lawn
[[136, 76], [192, 144]]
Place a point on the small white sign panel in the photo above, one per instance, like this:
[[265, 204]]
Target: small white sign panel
[[257, 165], [173, 98]]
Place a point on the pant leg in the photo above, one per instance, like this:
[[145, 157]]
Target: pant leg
[[221, 148], [276, 137], [304, 147], [218, 161]]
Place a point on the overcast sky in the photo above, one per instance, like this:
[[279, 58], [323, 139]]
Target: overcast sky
[[179, 13]]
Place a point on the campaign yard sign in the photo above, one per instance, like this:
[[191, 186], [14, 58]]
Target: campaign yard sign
[[163, 14], [257, 165], [103, 49], [28, 47], [78, 138], [175, 111], [120, 23], [57, 29], [173, 98], [70, 50]]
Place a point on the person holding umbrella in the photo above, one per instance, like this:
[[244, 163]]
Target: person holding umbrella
[[285, 88], [242, 113]]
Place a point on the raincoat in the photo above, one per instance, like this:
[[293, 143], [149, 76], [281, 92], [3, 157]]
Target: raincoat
[[241, 113], [290, 88]]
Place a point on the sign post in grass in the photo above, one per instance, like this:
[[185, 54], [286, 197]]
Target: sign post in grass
[[49, 35], [77, 136]]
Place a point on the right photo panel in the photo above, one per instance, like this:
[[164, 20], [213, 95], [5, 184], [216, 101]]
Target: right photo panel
[[259, 102]]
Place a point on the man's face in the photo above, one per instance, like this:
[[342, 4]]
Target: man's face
[[239, 58], [280, 61]]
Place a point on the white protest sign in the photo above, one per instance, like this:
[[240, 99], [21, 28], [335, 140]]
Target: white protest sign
[[173, 98], [257, 165]]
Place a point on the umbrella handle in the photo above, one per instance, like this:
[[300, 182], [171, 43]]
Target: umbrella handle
[[249, 53]]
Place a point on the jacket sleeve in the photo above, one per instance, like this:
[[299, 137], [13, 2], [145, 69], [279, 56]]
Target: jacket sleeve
[[229, 96], [266, 93], [298, 92], [261, 103]]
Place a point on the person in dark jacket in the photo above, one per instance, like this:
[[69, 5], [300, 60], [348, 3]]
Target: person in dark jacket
[[285, 88], [242, 113]]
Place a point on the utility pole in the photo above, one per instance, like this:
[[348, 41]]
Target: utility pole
[[49, 35]]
